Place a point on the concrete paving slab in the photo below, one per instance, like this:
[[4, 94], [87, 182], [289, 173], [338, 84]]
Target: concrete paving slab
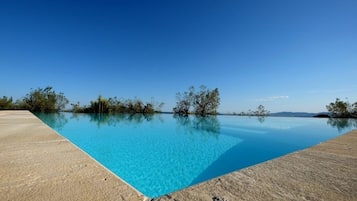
[[38, 164]]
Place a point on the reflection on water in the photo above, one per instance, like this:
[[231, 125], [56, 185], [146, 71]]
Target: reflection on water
[[58, 120], [55, 120], [342, 123], [115, 119], [206, 126], [261, 119]]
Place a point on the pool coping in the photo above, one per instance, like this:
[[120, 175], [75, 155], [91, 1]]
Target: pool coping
[[327, 171], [37, 163]]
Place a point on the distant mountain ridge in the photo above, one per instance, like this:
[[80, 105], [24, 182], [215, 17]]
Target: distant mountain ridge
[[296, 114]]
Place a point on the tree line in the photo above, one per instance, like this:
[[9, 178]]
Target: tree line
[[115, 105], [199, 102], [203, 102], [260, 112], [38, 100], [342, 109], [47, 100]]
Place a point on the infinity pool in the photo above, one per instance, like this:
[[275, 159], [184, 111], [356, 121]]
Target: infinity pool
[[162, 153]]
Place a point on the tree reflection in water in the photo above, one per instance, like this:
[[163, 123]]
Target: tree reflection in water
[[204, 125], [261, 119], [342, 123], [115, 119], [55, 120]]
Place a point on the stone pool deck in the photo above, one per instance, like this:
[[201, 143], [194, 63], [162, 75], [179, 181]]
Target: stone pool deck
[[38, 164]]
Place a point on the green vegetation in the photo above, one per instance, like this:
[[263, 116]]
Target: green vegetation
[[48, 101], [38, 100], [6, 103], [44, 100], [260, 112], [342, 109], [203, 102], [113, 105]]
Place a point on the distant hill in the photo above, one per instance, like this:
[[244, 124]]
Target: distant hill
[[296, 114]]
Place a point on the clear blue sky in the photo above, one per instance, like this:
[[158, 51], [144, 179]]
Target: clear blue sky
[[289, 55]]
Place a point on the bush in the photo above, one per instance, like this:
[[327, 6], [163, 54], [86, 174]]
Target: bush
[[44, 100], [342, 109], [204, 102]]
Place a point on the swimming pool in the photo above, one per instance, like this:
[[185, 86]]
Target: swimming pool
[[162, 153]]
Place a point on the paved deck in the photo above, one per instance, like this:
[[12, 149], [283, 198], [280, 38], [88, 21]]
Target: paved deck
[[38, 164]]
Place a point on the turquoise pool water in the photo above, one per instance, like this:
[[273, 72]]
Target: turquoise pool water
[[159, 154]]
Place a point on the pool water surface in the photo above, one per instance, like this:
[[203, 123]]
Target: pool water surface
[[161, 153]]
